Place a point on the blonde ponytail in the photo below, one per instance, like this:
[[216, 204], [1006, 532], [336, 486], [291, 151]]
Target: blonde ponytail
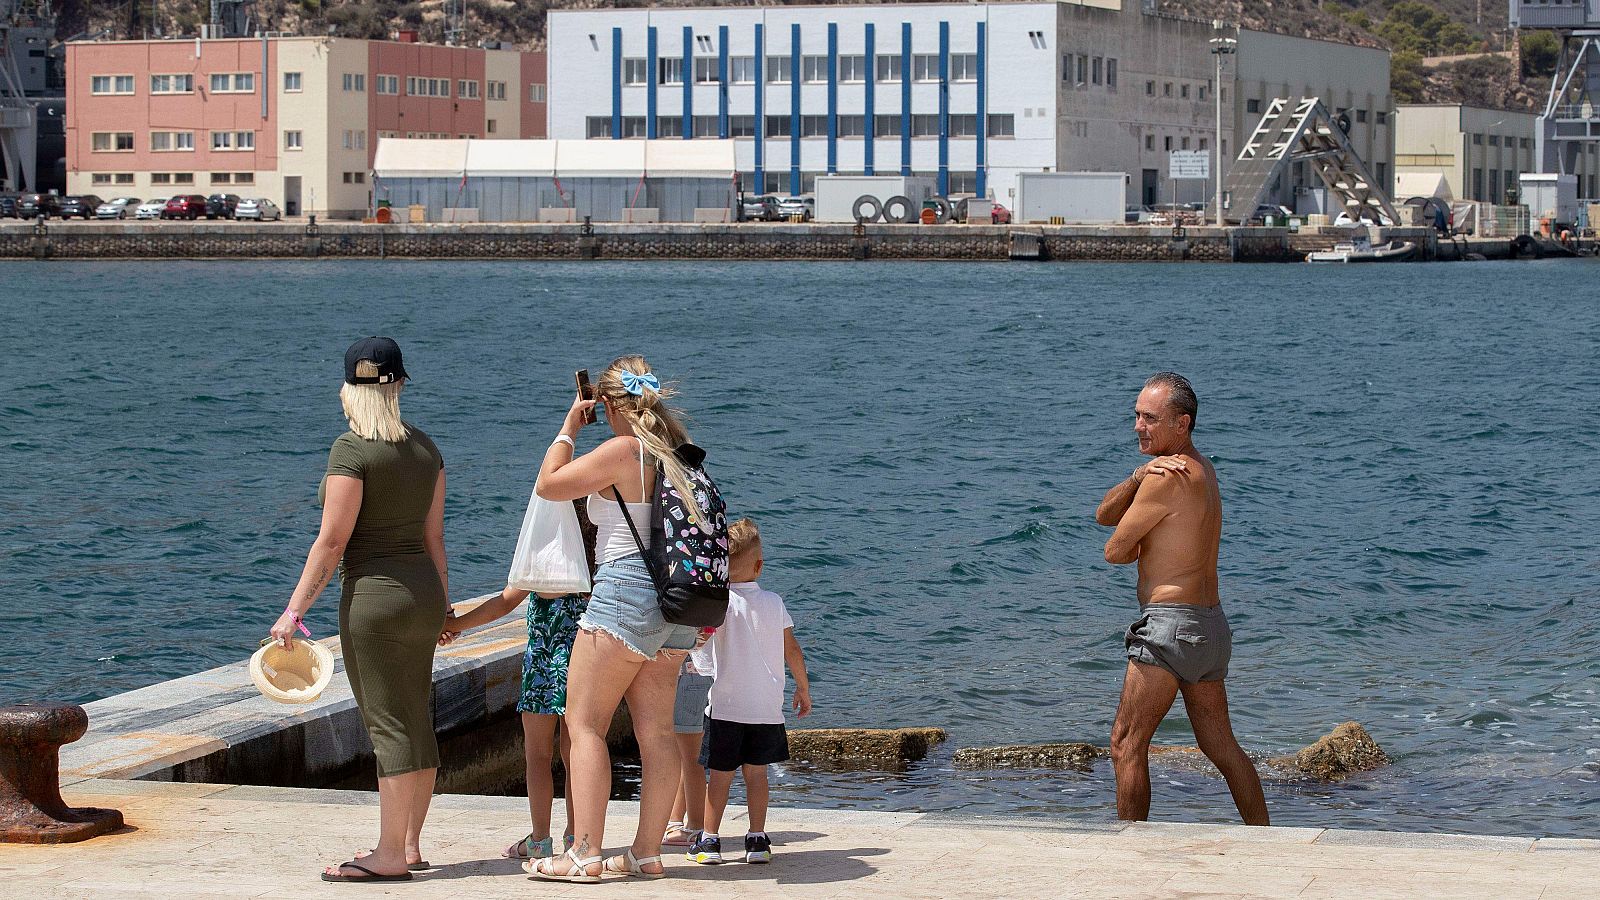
[[657, 425]]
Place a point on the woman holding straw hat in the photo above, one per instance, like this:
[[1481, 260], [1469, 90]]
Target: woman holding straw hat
[[383, 525]]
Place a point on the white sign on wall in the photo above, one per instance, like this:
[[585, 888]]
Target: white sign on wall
[[1189, 164]]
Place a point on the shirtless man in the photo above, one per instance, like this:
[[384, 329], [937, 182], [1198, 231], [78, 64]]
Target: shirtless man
[[1168, 516]]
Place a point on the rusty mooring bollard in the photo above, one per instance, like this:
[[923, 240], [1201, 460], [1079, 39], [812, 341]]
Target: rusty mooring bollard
[[31, 808]]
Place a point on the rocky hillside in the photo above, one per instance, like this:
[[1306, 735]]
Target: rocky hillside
[[1414, 29]]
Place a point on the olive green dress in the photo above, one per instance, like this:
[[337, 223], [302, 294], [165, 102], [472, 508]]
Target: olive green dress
[[393, 602]]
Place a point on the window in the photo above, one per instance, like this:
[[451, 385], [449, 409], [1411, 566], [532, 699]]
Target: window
[[1185, 144], [1183, 91], [1477, 139], [467, 89], [1361, 115], [111, 141], [1166, 89], [1083, 68], [1252, 106], [171, 84], [160, 177], [886, 125], [889, 68], [354, 82], [99, 178], [777, 70], [963, 67], [635, 71], [233, 83], [852, 126], [1149, 142], [964, 125], [536, 93], [742, 69], [597, 127], [669, 126], [813, 126], [387, 84], [706, 70], [1382, 117], [669, 71], [1524, 141], [742, 126], [1204, 144], [223, 140], [349, 139], [168, 141], [244, 178], [221, 177], [1494, 140], [963, 182], [292, 83], [183, 178], [778, 126], [111, 84], [1494, 186], [852, 69], [706, 126], [924, 126], [1111, 75], [489, 126], [127, 178], [1200, 92], [355, 178], [292, 140], [814, 69], [1095, 69], [494, 90], [1002, 125], [1149, 88], [1167, 141], [925, 67], [1477, 184]]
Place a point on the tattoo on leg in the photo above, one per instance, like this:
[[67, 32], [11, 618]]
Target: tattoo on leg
[[583, 847]]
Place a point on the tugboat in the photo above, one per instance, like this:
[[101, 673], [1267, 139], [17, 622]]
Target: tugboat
[[1362, 250]]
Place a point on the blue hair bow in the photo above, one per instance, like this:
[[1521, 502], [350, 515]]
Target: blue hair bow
[[635, 384]]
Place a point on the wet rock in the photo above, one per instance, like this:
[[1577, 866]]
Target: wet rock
[[1340, 753], [824, 745], [1031, 756]]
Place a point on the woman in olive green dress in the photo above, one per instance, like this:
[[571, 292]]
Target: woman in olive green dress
[[383, 519]]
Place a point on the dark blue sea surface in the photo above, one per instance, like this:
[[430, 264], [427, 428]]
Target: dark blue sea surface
[[1407, 459]]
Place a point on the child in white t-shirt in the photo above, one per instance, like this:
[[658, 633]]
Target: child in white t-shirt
[[744, 719]]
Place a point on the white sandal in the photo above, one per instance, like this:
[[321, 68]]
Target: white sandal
[[578, 874], [632, 866]]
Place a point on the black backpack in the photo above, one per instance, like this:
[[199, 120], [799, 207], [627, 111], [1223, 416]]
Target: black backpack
[[687, 562]]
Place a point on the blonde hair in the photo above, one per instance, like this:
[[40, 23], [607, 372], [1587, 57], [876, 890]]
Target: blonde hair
[[744, 538], [373, 410], [655, 423]]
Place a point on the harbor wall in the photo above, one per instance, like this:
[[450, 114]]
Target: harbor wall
[[752, 241]]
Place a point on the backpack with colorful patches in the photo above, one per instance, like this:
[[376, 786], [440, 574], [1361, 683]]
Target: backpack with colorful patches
[[688, 556]]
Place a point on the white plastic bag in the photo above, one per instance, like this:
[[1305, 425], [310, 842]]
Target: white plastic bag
[[550, 557]]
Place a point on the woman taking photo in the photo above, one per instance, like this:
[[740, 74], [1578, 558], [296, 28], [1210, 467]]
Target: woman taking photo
[[383, 517], [624, 648]]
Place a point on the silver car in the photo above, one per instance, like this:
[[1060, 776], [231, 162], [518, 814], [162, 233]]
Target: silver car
[[805, 207], [116, 209], [151, 209], [259, 208]]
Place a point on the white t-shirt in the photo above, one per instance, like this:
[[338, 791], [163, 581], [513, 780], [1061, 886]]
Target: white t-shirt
[[747, 657]]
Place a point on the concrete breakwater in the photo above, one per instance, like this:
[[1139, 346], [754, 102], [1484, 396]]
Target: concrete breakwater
[[287, 240]]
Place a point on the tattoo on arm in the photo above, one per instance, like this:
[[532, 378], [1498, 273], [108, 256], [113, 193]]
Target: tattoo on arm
[[317, 584]]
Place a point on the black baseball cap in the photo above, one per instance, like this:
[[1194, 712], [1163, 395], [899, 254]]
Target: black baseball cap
[[381, 351]]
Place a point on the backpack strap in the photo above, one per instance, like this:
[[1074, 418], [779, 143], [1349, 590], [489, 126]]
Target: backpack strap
[[649, 564]]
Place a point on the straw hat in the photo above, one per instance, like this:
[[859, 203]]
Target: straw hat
[[297, 675]]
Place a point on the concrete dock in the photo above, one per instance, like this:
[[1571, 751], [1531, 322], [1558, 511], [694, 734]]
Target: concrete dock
[[214, 840]]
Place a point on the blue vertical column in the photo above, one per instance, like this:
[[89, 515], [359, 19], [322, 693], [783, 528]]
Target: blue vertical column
[[761, 108], [905, 98], [794, 108], [982, 187], [833, 98], [651, 67], [616, 83], [944, 109], [870, 133], [688, 82], [722, 82]]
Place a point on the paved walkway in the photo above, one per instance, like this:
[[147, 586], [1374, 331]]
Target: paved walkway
[[197, 840]]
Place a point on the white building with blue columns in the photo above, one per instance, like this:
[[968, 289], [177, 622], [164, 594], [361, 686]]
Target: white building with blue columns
[[969, 93]]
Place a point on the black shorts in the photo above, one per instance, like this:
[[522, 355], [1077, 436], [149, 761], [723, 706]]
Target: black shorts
[[726, 746]]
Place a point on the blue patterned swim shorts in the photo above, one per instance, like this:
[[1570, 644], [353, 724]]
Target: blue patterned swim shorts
[[552, 627]]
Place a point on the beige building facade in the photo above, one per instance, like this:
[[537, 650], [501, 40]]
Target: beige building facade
[[1480, 152]]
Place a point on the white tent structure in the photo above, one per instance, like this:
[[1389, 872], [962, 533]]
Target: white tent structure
[[513, 181]]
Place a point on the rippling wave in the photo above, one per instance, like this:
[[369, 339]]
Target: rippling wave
[[1410, 536]]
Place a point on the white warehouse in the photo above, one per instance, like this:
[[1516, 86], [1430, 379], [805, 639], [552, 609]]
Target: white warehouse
[[970, 94]]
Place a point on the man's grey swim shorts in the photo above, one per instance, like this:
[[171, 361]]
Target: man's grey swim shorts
[[1194, 643]]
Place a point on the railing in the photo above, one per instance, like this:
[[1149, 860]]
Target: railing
[[15, 116], [1576, 111]]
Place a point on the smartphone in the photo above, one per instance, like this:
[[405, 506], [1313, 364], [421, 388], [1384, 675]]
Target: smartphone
[[586, 392]]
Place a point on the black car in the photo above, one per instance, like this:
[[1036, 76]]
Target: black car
[[222, 205], [32, 206], [81, 206], [8, 206]]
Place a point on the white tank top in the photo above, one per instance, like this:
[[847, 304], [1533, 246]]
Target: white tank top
[[612, 539]]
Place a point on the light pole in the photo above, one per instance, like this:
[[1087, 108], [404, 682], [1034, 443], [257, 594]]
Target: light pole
[[1220, 47]]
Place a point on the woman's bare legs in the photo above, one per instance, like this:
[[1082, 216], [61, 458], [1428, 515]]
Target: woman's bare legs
[[402, 808], [600, 672], [650, 699]]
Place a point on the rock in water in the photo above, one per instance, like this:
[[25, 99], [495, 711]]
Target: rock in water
[[1030, 756], [878, 744], [1341, 752]]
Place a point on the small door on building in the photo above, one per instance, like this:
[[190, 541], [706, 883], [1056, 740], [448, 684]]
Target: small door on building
[[291, 195], [1151, 187]]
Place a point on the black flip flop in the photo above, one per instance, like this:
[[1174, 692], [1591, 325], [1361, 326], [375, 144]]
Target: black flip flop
[[419, 866], [370, 876]]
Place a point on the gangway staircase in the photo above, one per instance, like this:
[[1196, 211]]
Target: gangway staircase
[[19, 122], [1301, 130]]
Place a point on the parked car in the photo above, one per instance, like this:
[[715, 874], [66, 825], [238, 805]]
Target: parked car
[[803, 206], [259, 208], [8, 206], [1137, 215], [758, 208], [999, 215], [221, 205], [151, 209], [116, 209], [185, 206], [32, 206], [80, 206]]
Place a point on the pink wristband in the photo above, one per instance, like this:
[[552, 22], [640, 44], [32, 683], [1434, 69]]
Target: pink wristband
[[299, 624]]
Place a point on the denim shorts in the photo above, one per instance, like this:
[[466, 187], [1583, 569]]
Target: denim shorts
[[624, 606], [689, 707]]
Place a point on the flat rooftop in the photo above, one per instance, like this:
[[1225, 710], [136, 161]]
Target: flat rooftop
[[216, 840]]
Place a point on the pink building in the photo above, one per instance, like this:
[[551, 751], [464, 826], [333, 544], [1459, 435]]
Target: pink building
[[293, 119]]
